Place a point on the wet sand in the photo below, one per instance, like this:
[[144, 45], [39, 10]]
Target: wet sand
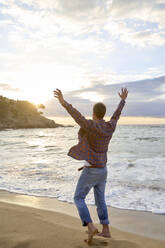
[[28, 221]]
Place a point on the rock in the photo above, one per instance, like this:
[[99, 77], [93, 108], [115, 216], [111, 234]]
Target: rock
[[22, 114], [39, 122]]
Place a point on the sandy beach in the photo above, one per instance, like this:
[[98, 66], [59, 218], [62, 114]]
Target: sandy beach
[[36, 222]]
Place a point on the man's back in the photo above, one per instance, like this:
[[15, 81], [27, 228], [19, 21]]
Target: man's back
[[94, 137]]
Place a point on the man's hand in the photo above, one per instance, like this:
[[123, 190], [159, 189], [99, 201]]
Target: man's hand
[[59, 96], [123, 93]]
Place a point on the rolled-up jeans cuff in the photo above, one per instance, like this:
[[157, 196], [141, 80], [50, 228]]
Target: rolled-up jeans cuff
[[105, 222], [84, 223]]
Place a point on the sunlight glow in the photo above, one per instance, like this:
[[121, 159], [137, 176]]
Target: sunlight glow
[[36, 97], [37, 82]]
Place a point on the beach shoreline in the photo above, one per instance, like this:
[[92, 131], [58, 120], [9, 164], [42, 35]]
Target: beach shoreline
[[29, 227], [143, 225]]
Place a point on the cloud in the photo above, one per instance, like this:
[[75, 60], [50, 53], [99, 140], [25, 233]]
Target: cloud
[[75, 28], [7, 87], [144, 38], [74, 9], [146, 98], [76, 17], [151, 11], [86, 11], [147, 16], [44, 28], [53, 108], [54, 16], [79, 44]]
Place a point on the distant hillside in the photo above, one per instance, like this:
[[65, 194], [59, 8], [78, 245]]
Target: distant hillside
[[22, 114]]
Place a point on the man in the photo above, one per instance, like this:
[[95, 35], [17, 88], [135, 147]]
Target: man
[[94, 137]]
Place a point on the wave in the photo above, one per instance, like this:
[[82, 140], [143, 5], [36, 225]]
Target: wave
[[49, 146], [153, 185], [148, 138], [135, 166]]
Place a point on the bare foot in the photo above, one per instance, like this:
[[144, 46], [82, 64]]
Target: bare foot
[[91, 233], [104, 235]]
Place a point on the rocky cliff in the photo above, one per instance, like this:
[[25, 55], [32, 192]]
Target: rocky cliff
[[22, 114]]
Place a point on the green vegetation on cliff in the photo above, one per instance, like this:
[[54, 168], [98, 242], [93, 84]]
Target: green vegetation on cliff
[[22, 114]]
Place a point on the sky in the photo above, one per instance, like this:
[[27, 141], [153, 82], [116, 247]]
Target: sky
[[89, 49]]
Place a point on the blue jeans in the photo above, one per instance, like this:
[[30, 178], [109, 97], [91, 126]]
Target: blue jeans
[[96, 178]]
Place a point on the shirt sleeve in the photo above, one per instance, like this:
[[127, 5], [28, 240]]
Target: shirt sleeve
[[89, 125], [115, 117]]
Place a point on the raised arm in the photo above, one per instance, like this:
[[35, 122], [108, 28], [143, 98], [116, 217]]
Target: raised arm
[[76, 115], [117, 113]]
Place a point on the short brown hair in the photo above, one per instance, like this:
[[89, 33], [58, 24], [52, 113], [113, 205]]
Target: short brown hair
[[99, 109]]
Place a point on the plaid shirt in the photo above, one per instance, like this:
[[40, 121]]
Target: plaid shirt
[[94, 137]]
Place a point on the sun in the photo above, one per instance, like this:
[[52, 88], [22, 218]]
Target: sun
[[36, 96], [37, 99]]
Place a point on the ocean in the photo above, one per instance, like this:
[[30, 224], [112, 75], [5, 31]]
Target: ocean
[[35, 162]]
